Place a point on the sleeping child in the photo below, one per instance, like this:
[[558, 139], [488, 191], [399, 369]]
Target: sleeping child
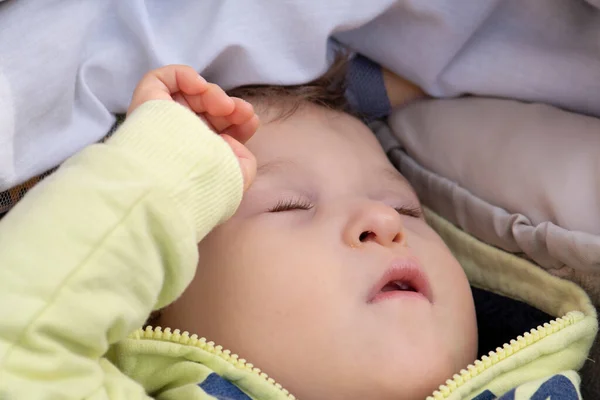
[[144, 266]]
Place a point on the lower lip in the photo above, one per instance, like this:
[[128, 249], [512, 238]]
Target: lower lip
[[398, 294]]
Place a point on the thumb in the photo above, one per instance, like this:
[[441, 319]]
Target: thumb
[[245, 158]]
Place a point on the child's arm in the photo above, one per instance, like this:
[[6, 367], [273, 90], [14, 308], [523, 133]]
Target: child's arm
[[400, 91], [87, 254]]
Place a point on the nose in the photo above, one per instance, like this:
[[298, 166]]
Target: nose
[[374, 222]]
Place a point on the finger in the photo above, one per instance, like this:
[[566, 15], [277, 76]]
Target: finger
[[177, 78], [219, 124], [180, 98], [142, 95], [162, 83], [190, 82], [213, 101], [245, 131], [242, 113], [245, 158]]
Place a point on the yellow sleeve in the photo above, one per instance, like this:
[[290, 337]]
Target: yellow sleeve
[[90, 251]]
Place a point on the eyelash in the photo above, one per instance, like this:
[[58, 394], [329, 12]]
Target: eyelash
[[301, 204], [410, 211], [291, 204]]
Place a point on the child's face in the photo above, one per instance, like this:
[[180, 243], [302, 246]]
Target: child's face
[[297, 292]]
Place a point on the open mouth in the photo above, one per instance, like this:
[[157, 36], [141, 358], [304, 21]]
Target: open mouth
[[403, 279], [398, 285]]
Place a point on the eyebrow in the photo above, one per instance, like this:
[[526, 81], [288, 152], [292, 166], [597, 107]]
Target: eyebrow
[[393, 176], [389, 175], [276, 165]]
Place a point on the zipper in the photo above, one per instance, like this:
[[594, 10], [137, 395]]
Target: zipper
[[501, 353], [157, 333], [443, 392]]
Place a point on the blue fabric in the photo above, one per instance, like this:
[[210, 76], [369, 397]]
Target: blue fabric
[[366, 90], [222, 389], [559, 387], [487, 395], [510, 395]]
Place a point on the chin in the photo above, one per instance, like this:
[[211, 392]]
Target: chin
[[408, 386], [411, 376]]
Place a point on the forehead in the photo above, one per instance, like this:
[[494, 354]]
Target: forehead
[[317, 136], [327, 145]]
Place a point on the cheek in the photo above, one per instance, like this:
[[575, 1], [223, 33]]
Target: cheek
[[275, 291], [265, 273], [437, 257], [447, 277], [454, 310]]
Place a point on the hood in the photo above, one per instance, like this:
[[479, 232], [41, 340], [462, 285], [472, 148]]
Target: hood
[[559, 344]]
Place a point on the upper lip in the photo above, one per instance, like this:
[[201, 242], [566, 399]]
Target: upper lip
[[405, 270]]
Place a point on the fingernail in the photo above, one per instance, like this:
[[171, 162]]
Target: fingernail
[[201, 79]]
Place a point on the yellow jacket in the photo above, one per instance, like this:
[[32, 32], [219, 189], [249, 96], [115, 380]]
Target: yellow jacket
[[93, 249]]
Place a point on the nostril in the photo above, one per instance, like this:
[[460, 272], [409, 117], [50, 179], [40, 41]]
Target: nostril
[[397, 238], [366, 236]]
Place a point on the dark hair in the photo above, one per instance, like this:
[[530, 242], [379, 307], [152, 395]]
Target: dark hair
[[327, 91]]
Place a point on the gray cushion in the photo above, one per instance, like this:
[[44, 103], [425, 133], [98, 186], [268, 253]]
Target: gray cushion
[[522, 177]]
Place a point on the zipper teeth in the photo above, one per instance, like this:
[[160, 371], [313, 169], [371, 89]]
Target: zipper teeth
[[494, 357], [443, 392], [157, 333]]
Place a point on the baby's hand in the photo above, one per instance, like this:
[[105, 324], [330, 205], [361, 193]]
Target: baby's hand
[[231, 117]]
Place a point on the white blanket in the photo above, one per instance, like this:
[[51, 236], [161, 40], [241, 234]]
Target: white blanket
[[66, 66]]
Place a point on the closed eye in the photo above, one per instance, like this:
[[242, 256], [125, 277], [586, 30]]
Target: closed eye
[[291, 205], [410, 211]]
